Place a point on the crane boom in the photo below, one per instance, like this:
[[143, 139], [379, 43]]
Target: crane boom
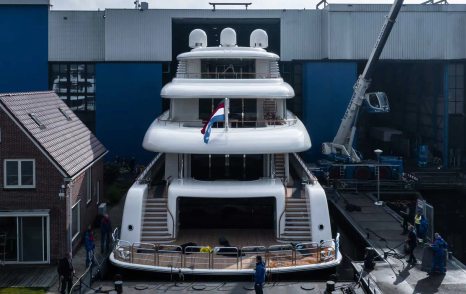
[[341, 147]]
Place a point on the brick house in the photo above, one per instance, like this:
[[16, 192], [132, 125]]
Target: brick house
[[51, 178]]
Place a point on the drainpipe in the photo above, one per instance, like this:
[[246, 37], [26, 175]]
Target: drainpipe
[[69, 190]]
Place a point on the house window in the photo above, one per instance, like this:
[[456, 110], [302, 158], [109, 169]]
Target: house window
[[24, 237], [89, 185], [76, 219], [19, 173]]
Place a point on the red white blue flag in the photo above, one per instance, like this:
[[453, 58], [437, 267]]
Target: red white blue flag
[[217, 115]]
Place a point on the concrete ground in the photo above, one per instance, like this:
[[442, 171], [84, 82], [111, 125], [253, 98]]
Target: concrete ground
[[381, 229], [223, 287]]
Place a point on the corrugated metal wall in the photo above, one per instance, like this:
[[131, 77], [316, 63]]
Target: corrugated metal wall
[[76, 36], [340, 32]]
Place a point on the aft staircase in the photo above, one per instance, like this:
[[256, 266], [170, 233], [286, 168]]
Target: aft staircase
[[279, 160], [297, 222], [154, 227]]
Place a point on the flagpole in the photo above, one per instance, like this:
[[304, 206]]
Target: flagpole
[[227, 110]]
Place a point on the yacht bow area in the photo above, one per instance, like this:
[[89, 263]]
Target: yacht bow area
[[256, 88], [242, 137]]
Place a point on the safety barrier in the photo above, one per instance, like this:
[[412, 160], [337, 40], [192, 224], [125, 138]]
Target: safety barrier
[[231, 258]]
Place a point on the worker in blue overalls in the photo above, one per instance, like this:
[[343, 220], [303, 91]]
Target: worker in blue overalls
[[438, 246]]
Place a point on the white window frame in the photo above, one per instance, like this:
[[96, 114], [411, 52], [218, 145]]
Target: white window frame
[[19, 186], [79, 220], [89, 185]]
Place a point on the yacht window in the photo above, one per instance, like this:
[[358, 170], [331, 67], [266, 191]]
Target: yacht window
[[228, 68]]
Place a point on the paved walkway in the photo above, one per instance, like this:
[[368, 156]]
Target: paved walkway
[[381, 229], [79, 259], [225, 287]]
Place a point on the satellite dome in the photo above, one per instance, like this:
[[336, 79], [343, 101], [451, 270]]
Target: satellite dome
[[259, 39], [228, 37], [197, 38]]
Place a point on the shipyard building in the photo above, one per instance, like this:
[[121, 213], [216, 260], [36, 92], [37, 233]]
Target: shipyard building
[[109, 67]]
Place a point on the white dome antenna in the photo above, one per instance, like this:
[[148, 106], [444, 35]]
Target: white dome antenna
[[228, 37], [197, 38], [259, 39]]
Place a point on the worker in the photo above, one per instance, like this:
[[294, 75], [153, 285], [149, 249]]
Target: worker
[[411, 245], [259, 275], [439, 247]]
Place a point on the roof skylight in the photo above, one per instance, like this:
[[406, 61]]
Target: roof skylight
[[68, 117], [34, 117]]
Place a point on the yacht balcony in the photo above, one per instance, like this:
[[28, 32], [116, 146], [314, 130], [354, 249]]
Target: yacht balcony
[[241, 137], [273, 88]]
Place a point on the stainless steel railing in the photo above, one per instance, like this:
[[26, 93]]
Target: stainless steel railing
[[236, 258]]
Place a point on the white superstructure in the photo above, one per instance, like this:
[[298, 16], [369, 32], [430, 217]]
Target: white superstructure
[[246, 184]]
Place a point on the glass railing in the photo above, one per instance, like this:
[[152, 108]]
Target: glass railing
[[227, 75], [232, 123]]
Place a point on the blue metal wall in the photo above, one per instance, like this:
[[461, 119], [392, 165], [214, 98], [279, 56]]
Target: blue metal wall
[[327, 88], [23, 48], [127, 101]]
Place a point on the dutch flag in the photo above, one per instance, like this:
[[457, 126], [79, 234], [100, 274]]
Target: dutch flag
[[217, 115]]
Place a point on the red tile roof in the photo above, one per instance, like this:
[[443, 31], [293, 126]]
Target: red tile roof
[[68, 142]]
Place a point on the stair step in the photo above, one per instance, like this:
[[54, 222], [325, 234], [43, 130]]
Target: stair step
[[155, 228], [156, 209], [296, 208], [291, 228], [160, 219], [156, 200], [155, 213], [290, 200], [297, 232], [154, 222], [155, 233], [297, 217]]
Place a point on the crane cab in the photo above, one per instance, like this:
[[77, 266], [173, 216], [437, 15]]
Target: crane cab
[[376, 102]]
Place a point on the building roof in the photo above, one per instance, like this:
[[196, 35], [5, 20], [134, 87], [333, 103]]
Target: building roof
[[55, 129]]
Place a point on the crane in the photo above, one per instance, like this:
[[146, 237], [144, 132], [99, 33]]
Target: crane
[[341, 148]]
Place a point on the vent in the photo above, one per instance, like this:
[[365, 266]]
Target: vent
[[66, 115], [34, 117]]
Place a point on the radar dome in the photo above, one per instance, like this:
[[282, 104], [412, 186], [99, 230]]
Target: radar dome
[[197, 38], [259, 39], [228, 37]]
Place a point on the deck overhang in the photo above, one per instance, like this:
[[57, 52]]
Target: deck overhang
[[228, 88], [173, 138]]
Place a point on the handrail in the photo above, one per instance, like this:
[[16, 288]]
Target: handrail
[[173, 221], [280, 223], [79, 281], [276, 255], [142, 178], [311, 177]]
